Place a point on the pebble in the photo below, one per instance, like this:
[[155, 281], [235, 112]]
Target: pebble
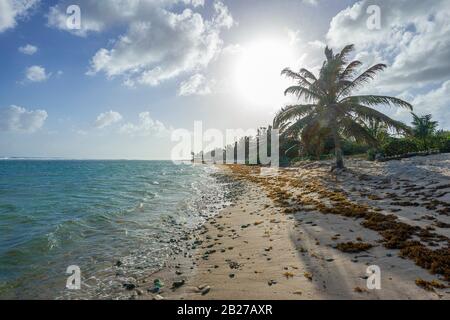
[[271, 282], [206, 290], [129, 286], [177, 284], [139, 292]]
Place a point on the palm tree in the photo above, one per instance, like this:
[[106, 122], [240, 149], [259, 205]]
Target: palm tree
[[329, 109], [424, 128]]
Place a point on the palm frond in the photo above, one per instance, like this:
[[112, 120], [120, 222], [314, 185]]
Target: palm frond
[[300, 91], [297, 127], [291, 112], [345, 52], [368, 114], [354, 130], [329, 53], [296, 76], [350, 70], [307, 74], [364, 78], [373, 100]]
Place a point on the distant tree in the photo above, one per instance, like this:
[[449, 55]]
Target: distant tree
[[424, 128], [330, 109]]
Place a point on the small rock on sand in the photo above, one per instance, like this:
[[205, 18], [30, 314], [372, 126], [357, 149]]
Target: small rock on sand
[[206, 290]]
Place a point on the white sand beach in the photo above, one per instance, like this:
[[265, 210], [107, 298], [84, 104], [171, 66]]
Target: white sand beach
[[279, 240]]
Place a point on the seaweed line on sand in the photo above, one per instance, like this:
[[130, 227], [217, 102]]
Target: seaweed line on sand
[[312, 195]]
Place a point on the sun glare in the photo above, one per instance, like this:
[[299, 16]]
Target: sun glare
[[257, 74]]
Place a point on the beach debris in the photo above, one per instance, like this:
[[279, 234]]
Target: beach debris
[[297, 293], [288, 275], [157, 286], [129, 286], [158, 297], [395, 234], [201, 287], [359, 289], [233, 264], [231, 275], [352, 247], [271, 282], [205, 290], [430, 285], [178, 283], [308, 276], [441, 224], [139, 292], [302, 249]]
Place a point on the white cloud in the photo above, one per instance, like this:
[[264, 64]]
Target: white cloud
[[98, 16], [159, 43], [107, 118], [195, 85], [437, 103], [36, 74], [19, 119], [28, 49], [146, 126], [13, 10], [414, 39], [294, 37], [311, 2]]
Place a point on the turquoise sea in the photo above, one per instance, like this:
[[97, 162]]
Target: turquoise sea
[[93, 214]]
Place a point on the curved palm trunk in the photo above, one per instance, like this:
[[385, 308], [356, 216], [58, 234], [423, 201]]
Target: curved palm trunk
[[337, 147]]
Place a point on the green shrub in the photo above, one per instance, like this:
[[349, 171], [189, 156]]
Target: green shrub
[[371, 154], [351, 148], [445, 146], [397, 146]]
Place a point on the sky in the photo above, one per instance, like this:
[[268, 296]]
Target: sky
[[117, 85]]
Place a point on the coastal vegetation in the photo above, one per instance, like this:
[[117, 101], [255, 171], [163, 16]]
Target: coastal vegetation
[[329, 111], [330, 121]]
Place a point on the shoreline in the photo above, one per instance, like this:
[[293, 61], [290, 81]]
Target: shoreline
[[258, 249]]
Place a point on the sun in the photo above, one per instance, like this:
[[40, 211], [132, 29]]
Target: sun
[[257, 72]]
